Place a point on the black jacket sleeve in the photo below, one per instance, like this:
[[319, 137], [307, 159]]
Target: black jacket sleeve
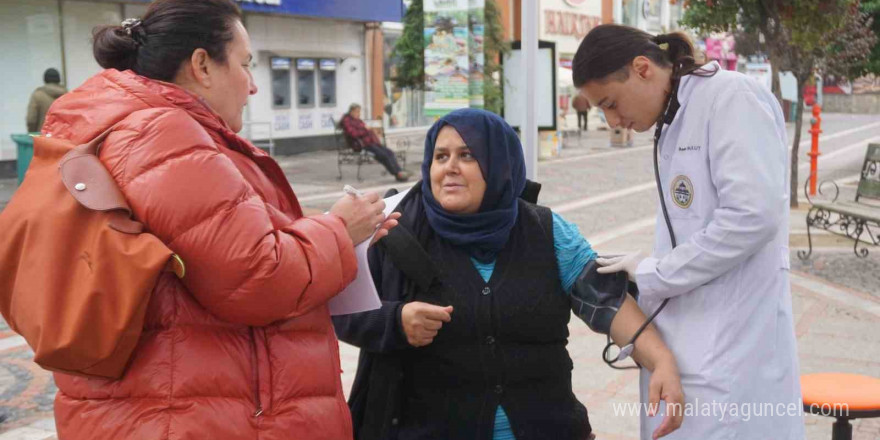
[[376, 330]]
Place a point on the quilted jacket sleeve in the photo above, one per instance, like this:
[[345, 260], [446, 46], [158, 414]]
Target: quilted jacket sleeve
[[239, 265]]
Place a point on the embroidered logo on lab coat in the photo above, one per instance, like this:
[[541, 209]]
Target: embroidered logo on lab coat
[[682, 192]]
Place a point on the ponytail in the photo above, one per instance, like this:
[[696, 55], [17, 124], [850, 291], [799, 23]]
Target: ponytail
[[679, 54], [609, 49]]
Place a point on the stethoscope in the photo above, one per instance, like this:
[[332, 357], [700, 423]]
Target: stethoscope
[[672, 106]]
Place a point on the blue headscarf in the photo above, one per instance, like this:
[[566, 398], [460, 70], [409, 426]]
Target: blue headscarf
[[498, 151]]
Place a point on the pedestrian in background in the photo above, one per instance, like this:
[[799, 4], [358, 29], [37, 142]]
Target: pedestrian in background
[[242, 347], [582, 106], [42, 98], [721, 242]]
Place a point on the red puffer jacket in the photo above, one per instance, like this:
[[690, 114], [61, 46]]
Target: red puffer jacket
[[243, 346]]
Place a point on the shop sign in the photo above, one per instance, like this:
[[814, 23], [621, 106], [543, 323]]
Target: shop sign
[[280, 63], [305, 64], [306, 122], [262, 2], [358, 10], [569, 23], [282, 122], [327, 120]]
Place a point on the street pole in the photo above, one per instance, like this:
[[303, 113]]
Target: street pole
[[529, 129], [815, 130]]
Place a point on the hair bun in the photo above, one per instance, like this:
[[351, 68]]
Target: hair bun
[[114, 47]]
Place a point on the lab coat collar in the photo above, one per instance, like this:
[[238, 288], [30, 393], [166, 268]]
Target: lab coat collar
[[687, 83]]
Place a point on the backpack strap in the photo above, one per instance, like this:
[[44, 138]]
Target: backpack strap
[[410, 257], [531, 191]]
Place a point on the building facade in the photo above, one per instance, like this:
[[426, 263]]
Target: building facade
[[312, 59]]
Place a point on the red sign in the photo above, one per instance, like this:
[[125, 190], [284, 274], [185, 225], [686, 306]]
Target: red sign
[[569, 23]]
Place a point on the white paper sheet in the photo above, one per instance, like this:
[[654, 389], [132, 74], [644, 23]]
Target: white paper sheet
[[361, 294]]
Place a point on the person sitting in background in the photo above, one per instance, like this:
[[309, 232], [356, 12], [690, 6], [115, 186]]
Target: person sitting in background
[[42, 98], [362, 137]]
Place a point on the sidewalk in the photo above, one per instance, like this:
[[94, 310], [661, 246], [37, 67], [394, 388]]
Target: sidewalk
[[836, 299]]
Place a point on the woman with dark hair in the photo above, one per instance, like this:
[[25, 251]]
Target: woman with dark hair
[[470, 340], [242, 347], [721, 245]]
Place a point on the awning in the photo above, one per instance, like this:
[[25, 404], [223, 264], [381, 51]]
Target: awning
[[356, 10]]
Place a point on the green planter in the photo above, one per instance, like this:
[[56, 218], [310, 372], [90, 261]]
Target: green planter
[[25, 144]]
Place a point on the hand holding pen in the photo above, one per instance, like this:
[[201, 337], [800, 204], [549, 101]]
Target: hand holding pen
[[363, 215]]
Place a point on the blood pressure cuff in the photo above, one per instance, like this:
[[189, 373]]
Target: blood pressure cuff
[[596, 297]]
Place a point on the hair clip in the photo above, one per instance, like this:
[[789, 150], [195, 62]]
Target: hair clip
[[130, 23], [664, 46]]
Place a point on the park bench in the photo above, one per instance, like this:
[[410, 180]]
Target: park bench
[[853, 219], [348, 152]]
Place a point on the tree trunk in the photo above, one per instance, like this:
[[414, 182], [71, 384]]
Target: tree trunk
[[798, 124], [774, 82]]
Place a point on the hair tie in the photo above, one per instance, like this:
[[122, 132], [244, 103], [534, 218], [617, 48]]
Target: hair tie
[[662, 41], [130, 23], [131, 26]]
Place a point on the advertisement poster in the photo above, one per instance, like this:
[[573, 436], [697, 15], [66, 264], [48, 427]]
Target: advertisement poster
[[282, 122], [306, 122], [447, 67], [327, 120], [476, 55]]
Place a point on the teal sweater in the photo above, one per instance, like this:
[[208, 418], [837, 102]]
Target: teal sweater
[[573, 252]]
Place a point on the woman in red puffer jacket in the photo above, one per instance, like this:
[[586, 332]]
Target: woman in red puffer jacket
[[243, 346]]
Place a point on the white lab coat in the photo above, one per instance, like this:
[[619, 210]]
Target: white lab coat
[[723, 166]]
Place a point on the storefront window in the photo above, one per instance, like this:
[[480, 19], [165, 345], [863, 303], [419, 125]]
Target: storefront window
[[30, 41], [675, 14], [280, 82], [651, 14], [404, 107], [305, 82], [328, 83], [630, 9]]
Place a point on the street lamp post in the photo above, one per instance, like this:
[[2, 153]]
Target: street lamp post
[[529, 128], [815, 130]]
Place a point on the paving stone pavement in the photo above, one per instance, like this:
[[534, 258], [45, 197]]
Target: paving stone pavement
[[836, 297]]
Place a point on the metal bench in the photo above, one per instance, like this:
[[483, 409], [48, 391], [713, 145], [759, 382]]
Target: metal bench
[[349, 153], [262, 137], [850, 219]]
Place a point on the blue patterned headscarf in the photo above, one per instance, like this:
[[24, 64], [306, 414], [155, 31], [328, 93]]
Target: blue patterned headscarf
[[498, 151]]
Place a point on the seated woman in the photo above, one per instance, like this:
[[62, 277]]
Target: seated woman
[[363, 138], [470, 341]]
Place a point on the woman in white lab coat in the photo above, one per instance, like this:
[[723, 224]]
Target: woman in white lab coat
[[724, 179]]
